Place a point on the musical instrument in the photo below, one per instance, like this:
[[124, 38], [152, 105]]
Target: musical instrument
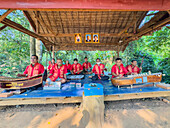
[[9, 83], [75, 77], [137, 79]]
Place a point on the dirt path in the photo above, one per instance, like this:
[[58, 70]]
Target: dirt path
[[148, 113]]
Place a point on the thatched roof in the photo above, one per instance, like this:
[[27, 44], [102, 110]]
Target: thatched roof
[[115, 27], [117, 21]]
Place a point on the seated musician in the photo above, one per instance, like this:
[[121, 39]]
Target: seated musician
[[68, 66], [98, 69], [86, 66], [118, 70], [57, 73], [51, 64], [133, 69], [33, 69], [76, 68]]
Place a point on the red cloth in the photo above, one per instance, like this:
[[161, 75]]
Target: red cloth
[[51, 66], [76, 67], [98, 69], [68, 66], [116, 70], [33, 71], [132, 69], [86, 65], [58, 72]]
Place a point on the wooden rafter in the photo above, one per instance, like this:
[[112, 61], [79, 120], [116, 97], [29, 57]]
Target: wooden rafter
[[3, 27], [128, 26], [168, 11], [3, 16], [147, 30], [20, 28], [152, 21], [45, 25], [26, 14]]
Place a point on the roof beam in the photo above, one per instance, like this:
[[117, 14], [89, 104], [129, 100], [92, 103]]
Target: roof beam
[[3, 16], [20, 28], [72, 35], [63, 45], [3, 27]]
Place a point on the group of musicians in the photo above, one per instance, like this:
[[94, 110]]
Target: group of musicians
[[57, 71]]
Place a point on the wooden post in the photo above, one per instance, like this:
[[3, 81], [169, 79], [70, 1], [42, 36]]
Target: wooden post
[[38, 42], [46, 59], [93, 106], [118, 47], [53, 53]]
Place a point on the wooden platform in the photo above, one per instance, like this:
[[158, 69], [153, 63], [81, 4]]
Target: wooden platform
[[22, 101], [68, 94]]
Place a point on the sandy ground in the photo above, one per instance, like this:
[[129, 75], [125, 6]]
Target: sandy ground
[[143, 113]]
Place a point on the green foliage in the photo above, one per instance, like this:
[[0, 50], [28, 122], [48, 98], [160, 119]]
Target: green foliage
[[14, 46]]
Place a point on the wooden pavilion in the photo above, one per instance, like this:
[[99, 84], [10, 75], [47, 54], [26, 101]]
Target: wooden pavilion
[[56, 21]]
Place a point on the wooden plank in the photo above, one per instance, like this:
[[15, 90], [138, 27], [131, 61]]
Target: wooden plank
[[94, 105], [136, 95], [24, 30], [162, 85], [3, 27], [3, 16], [21, 101], [126, 96]]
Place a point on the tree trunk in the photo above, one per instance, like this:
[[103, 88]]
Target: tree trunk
[[39, 50], [32, 44]]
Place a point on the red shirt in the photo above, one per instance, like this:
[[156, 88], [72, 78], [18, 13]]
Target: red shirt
[[86, 65], [76, 67], [33, 71], [118, 71], [58, 72], [132, 69], [68, 66], [50, 66], [98, 69]]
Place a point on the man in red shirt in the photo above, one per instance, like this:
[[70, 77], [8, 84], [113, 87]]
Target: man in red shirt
[[118, 70], [51, 64], [33, 69], [86, 66], [68, 65], [76, 68], [98, 69], [133, 69], [57, 73]]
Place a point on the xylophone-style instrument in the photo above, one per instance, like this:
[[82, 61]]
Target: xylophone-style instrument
[[75, 77], [9, 83], [137, 79]]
